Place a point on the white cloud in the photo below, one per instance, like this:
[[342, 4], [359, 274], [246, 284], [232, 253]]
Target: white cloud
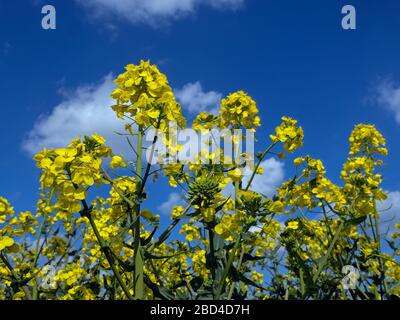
[[154, 12], [84, 111], [266, 183], [195, 100], [87, 109], [390, 211], [174, 199], [388, 95], [271, 178]]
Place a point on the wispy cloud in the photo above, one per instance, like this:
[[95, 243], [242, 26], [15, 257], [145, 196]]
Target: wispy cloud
[[271, 178], [154, 12], [6, 47], [266, 183], [174, 199], [388, 96], [195, 100]]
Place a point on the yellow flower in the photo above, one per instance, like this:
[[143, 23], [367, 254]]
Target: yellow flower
[[192, 232], [257, 277], [204, 121], [294, 225], [116, 162], [177, 212], [260, 170], [239, 109], [235, 175], [5, 242], [143, 93], [289, 133], [228, 226], [277, 206], [5, 209], [208, 214], [66, 154], [366, 139], [98, 138], [199, 263]]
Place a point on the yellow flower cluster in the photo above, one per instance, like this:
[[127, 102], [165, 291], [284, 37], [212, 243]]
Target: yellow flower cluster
[[191, 232], [266, 238], [71, 274], [366, 139], [175, 269], [24, 223], [228, 227], [309, 238], [117, 162], [67, 172], [313, 166], [199, 263], [204, 121], [144, 94], [122, 188], [5, 209], [175, 173], [103, 253], [177, 212], [239, 109], [56, 246], [313, 190], [235, 174], [5, 242], [79, 293], [393, 270], [289, 133], [361, 181]]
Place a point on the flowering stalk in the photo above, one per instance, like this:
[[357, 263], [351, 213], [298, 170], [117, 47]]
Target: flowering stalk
[[107, 252], [15, 276], [253, 174], [138, 255]]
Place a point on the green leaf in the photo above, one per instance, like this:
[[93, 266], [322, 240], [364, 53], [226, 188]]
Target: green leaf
[[145, 242]]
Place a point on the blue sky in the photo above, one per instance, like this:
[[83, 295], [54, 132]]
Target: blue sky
[[293, 57]]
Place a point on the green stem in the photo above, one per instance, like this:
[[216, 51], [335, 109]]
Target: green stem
[[138, 251], [164, 235], [325, 258], [109, 256], [86, 212], [258, 164], [35, 261], [138, 255], [212, 255], [378, 240], [227, 268], [233, 284], [302, 286], [15, 276], [235, 248]]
